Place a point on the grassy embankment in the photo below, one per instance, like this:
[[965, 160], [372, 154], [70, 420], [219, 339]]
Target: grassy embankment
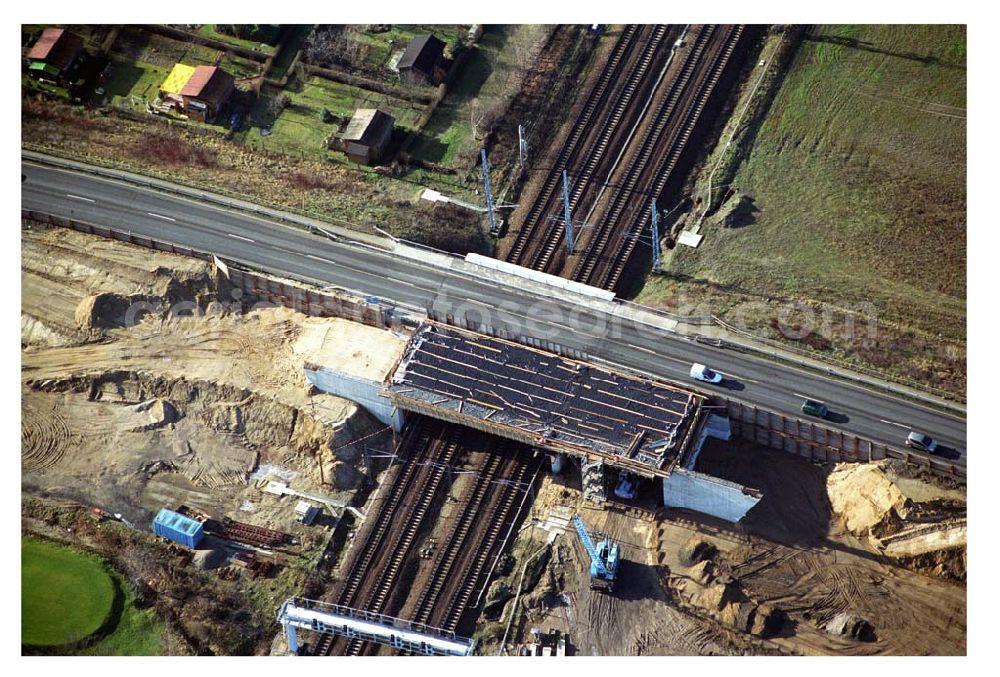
[[857, 181]]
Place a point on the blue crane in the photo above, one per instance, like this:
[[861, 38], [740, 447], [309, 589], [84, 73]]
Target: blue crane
[[603, 558]]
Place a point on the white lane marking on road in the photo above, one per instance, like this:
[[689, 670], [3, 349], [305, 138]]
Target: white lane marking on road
[[808, 397], [901, 425], [645, 350], [240, 237], [80, 197], [161, 216], [320, 258], [667, 357]]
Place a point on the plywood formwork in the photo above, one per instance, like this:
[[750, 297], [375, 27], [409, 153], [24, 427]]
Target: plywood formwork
[[551, 402]]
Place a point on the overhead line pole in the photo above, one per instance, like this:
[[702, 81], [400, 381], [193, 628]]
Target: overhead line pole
[[489, 193], [566, 215], [522, 146], [657, 263]]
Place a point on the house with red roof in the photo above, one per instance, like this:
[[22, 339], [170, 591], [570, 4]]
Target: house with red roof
[[54, 55]]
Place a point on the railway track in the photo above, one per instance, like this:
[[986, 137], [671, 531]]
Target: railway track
[[386, 565], [503, 514], [415, 479], [475, 538], [665, 172], [672, 118], [596, 154], [457, 540], [622, 62], [409, 525]]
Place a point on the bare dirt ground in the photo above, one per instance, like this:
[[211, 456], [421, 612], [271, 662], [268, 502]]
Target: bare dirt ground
[[810, 570], [809, 550], [183, 401], [147, 382], [184, 407]]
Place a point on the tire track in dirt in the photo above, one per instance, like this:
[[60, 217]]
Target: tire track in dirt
[[45, 436]]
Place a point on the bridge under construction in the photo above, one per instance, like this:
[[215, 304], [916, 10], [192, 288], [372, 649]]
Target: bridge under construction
[[552, 403]]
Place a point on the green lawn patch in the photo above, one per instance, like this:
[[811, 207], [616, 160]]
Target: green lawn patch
[[299, 129], [32, 84], [139, 632], [134, 79], [66, 595]]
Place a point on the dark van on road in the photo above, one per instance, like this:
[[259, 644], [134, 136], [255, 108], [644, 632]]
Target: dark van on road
[[814, 408]]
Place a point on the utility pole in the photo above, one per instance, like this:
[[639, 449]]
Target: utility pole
[[657, 263], [489, 194], [566, 215], [522, 146]]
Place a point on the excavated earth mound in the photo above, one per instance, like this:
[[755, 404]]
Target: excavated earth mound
[[863, 496]]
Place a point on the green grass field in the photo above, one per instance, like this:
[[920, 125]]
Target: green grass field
[[66, 595], [139, 632], [857, 176]]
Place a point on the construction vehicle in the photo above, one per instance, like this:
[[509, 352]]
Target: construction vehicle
[[603, 557]]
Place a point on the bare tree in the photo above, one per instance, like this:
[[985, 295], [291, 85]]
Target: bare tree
[[139, 566], [329, 45], [483, 117]]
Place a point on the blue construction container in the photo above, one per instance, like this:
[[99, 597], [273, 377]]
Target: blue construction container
[[178, 528]]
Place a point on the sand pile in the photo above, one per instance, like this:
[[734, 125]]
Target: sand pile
[[863, 495]]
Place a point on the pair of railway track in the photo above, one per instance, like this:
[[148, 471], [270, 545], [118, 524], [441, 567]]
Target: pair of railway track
[[379, 578], [635, 53], [621, 241], [645, 166], [460, 568], [395, 525]]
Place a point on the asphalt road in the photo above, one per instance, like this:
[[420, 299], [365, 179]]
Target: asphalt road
[[284, 249]]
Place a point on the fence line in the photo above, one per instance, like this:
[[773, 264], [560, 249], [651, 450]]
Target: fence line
[[819, 443]]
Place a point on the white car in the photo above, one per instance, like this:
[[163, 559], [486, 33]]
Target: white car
[[703, 373]]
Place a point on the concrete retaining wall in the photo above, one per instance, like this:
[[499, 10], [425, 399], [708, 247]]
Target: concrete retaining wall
[[708, 495], [364, 392]]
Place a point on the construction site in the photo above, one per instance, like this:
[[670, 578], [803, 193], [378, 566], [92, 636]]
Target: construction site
[[346, 476], [467, 520]]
